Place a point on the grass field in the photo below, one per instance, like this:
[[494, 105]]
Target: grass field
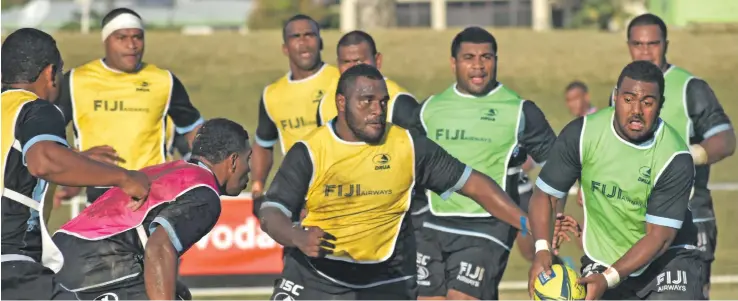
[[225, 74]]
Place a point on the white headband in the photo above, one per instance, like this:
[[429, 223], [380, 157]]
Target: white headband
[[122, 21]]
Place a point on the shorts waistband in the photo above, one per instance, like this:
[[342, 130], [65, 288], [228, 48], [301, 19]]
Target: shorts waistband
[[15, 257]]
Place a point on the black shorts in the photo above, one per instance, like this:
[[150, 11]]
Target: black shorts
[[468, 264], [135, 289], [707, 243], [676, 275], [300, 282], [27, 280]]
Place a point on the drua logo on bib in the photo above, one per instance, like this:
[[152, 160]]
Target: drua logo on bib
[[614, 192], [349, 190], [245, 236], [457, 134]]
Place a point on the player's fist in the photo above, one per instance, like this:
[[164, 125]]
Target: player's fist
[[313, 241], [257, 196], [65, 193], [541, 263], [105, 154], [137, 185]]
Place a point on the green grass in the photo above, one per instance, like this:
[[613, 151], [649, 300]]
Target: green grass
[[225, 74]]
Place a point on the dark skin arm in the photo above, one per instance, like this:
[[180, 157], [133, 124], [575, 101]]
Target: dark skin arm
[[190, 136], [656, 242], [719, 146], [279, 227], [493, 198], [261, 163], [55, 163], [160, 270], [540, 211]]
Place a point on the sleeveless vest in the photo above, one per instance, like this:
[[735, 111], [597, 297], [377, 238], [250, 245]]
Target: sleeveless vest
[[109, 216]]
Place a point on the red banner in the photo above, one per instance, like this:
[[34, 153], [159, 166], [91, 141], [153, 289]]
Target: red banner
[[236, 245]]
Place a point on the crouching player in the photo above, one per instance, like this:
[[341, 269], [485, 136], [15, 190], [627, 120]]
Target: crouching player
[[111, 251]]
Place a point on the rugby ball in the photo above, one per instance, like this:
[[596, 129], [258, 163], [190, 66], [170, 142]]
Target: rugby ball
[[560, 285]]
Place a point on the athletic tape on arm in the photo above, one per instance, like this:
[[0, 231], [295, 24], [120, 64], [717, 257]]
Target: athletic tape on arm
[[122, 21]]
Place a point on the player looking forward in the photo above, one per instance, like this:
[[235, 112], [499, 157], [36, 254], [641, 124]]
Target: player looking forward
[[636, 174], [355, 177], [122, 102], [288, 106], [484, 123]]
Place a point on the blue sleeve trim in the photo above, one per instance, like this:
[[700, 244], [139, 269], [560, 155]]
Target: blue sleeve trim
[[550, 190], [170, 231], [279, 206], [717, 129], [39, 138], [459, 184], [265, 143], [663, 221], [189, 128]]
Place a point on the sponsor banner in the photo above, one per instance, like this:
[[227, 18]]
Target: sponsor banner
[[236, 245]]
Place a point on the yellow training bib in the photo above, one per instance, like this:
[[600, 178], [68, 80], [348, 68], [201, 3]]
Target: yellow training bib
[[360, 193], [12, 102], [292, 105], [125, 111]]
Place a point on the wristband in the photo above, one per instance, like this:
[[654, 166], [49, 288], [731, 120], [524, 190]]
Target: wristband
[[612, 276], [542, 245], [523, 226], [699, 154]]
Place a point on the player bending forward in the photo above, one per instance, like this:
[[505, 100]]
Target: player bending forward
[[355, 177], [637, 174], [132, 255]]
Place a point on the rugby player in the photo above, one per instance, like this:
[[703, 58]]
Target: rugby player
[[355, 178], [699, 118], [358, 47], [122, 102], [125, 255], [463, 249], [637, 174], [288, 106], [576, 94], [34, 155]]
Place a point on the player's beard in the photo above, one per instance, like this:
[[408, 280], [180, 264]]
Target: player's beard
[[354, 125]]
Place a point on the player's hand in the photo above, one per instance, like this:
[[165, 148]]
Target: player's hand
[[596, 286], [541, 264], [137, 185], [105, 154], [564, 228], [313, 241], [65, 193]]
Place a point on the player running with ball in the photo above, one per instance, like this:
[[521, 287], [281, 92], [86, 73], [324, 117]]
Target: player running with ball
[[636, 175]]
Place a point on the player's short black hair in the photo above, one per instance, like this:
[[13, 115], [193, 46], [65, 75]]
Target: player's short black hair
[[577, 85], [474, 34], [648, 19], [357, 37], [348, 78], [297, 18], [644, 71], [218, 138], [116, 12], [25, 53]]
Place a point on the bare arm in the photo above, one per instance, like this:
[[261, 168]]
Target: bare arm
[[487, 193], [278, 225], [160, 270], [55, 163], [267, 136], [719, 146], [667, 209]]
